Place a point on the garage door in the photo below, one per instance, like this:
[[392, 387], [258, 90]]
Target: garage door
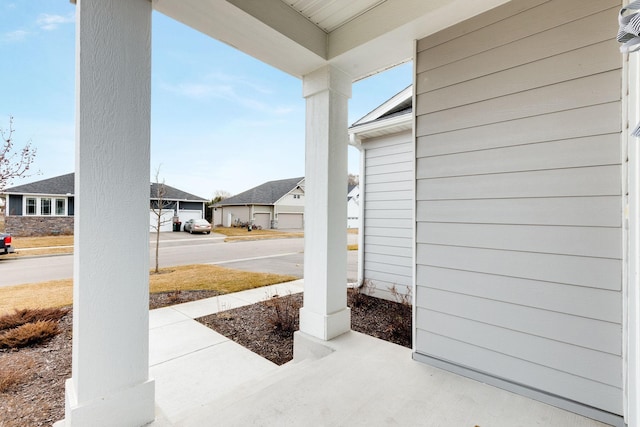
[[262, 219], [518, 200], [186, 215], [166, 221], [291, 220]]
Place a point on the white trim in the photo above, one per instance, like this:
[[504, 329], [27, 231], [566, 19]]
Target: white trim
[[631, 240], [39, 205], [414, 264], [389, 105]]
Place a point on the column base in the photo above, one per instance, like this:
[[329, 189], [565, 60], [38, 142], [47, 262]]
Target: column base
[[134, 406], [325, 326]]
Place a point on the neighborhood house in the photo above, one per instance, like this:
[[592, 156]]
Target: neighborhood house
[[47, 207], [274, 204]]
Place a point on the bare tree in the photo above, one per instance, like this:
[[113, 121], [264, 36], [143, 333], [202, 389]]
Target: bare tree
[[353, 179], [158, 205], [219, 196], [14, 164]]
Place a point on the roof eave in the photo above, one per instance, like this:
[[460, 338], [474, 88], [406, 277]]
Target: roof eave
[[389, 126]]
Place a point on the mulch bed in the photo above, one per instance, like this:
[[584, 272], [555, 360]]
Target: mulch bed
[[253, 326], [38, 398]]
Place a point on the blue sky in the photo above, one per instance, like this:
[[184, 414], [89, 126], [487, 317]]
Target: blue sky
[[220, 120]]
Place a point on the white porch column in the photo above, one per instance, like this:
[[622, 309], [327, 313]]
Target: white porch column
[[325, 314], [110, 383]]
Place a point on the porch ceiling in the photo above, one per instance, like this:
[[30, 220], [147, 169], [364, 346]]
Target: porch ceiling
[[361, 37]]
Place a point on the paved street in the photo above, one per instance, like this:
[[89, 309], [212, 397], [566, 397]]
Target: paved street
[[283, 256]]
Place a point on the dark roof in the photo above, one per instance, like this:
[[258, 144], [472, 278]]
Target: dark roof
[[172, 193], [264, 194], [398, 105], [64, 184]]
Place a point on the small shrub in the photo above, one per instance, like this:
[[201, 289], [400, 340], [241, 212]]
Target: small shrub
[[358, 295], [404, 299], [29, 315], [13, 370], [399, 325], [29, 334], [284, 313], [174, 297]]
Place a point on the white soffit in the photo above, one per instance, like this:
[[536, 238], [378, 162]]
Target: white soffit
[[331, 14], [361, 37]]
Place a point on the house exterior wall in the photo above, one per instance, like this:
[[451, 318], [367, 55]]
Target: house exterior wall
[[191, 206], [353, 214], [240, 213], [353, 208], [294, 198], [28, 226], [518, 201], [19, 224], [14, 207], [388, 210]]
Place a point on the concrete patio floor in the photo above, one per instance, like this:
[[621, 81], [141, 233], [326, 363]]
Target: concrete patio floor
[[205, 379]]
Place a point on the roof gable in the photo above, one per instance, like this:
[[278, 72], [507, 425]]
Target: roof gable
[[264, 194], [399, 104]]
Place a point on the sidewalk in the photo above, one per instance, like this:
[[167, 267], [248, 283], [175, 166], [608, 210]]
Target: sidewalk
[[192, 364], [203, 378]]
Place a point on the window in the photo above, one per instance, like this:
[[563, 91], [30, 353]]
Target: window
[[296, 196], [60, 206], [31, 206], [45, 206]]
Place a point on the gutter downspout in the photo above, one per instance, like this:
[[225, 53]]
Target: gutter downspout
[[357, 143]]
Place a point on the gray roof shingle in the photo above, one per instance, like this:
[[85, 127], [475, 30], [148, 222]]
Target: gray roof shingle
[[64, 184], [264, 194]]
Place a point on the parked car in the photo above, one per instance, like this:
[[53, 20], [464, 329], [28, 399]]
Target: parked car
[[197, 226], [5, 244]]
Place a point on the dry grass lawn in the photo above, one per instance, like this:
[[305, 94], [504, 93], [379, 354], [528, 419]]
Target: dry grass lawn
[[241, 234], [59, 293], [42, 242], [45, 245]]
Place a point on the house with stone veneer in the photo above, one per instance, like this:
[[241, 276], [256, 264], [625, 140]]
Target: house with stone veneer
[[525, 224], [47, 207]]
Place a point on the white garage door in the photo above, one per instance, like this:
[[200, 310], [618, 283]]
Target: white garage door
[[290, 220], [166, 220], [186, 215]]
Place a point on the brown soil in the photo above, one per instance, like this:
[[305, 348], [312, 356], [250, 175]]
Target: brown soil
[[37, 397]]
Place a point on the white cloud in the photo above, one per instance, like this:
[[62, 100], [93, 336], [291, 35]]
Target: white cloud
[[231, 92], [51, 22], [14, 36]]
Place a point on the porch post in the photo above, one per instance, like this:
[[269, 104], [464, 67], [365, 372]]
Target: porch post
[[325, 314], [110, 382]]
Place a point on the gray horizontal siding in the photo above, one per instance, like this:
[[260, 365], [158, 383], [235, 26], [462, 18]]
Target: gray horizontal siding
[[599, 242], [518, 198], [388, 213]]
